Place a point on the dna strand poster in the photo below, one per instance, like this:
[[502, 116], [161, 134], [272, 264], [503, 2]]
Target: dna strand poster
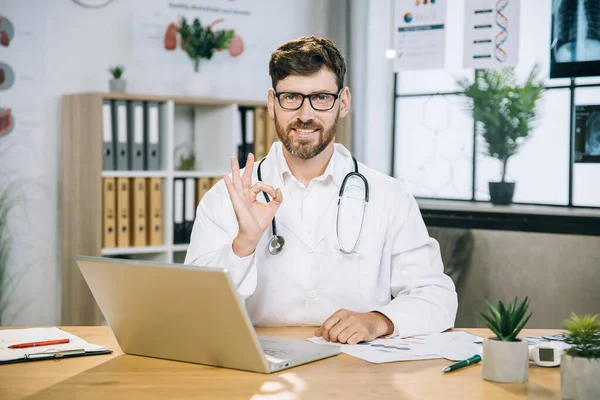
[[491, 33]]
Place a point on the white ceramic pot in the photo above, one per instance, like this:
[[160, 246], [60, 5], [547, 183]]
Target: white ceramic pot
[[197, 84], [117, 85], [505, 362], [579, 378]]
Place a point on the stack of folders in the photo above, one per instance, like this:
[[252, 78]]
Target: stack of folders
[[258, 133], [187, 194], [132, 212], [130, 135]]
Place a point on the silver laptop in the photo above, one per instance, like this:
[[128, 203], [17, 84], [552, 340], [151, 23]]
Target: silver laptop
[[187, 313]]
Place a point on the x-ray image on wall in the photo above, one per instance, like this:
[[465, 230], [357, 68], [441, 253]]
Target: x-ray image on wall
[[575, 39], [587, 133]]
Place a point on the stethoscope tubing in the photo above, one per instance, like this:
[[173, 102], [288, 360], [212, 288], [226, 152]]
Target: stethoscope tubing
[[277, 242]]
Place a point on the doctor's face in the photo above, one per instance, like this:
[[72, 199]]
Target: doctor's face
[[307, 125]]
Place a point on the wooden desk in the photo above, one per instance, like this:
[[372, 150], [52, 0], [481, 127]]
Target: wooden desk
[[120, 376]]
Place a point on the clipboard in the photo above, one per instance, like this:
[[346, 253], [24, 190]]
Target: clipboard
[[76, 347]]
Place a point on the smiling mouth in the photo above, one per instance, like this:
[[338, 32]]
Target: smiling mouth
[[305, 133]]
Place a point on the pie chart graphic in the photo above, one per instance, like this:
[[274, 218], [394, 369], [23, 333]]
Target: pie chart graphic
[[7, 31], [7, 76], [408, 17]]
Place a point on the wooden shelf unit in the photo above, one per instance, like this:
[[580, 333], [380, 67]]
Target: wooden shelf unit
[[215, 129]]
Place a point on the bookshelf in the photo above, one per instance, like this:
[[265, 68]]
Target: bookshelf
[[210, 128]]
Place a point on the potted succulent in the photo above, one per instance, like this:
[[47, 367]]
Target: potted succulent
[[117, 84], [580, 364], [505, 357], [505, 112], [201, 42]]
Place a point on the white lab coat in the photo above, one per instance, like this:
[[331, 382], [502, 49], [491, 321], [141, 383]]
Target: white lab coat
[[397, 270]]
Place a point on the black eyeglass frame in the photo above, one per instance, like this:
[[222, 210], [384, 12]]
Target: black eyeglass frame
[[304, 96]]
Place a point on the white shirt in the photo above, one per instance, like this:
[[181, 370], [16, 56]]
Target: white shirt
[[311, 278]]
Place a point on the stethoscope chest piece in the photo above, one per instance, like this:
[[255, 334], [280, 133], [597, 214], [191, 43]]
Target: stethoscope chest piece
[[276, 244]]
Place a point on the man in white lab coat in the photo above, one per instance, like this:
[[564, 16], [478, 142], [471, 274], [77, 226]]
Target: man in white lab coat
[[392, 283]]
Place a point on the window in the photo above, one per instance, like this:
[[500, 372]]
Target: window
[[434, 134]]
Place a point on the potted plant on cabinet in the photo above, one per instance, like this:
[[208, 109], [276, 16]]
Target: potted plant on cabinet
[[201, 42], [505, 112], [505, 357], [117, 84], [580, 364]]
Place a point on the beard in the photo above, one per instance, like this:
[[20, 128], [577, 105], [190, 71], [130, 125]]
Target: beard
[[305, 148]]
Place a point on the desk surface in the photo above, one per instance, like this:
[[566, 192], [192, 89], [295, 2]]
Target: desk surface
[[123, 376]]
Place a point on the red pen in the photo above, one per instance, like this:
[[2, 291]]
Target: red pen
[[36, 344]]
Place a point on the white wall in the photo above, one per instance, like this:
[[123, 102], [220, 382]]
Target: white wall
[[80, 46], [371, 76]]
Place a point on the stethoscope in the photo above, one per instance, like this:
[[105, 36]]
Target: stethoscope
[[277, 242]]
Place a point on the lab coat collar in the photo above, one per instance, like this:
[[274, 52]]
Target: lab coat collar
[[339, 165]]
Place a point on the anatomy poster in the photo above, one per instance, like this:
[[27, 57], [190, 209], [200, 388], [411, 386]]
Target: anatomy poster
[[22, 62], [491, 33], [419, 34], [156, 22]]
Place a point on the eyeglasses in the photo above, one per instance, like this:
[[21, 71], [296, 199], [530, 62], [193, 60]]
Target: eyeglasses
[[318, 101]]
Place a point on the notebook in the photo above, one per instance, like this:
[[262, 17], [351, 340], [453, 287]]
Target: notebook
[[76, 347]]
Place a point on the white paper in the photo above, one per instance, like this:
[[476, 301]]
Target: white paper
[[153, 130], [419, 34], [14, 336], [138, 135], [190, 205], [107, 123], [491, 33], [454, 346], [122, 123]]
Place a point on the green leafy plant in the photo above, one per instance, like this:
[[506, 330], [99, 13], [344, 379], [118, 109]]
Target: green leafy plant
[[187, 163], [584, 336], [117, 71], [504, 110], [506, 322], [201, 41]]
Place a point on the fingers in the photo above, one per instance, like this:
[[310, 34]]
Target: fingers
[[247, 176], [263, 187], [278, 198], [342, 325], [233, 195], [356, 337], [235, 173], [328, 324], [354, 332]]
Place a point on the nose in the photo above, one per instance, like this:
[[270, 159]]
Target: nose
[[306, 113]]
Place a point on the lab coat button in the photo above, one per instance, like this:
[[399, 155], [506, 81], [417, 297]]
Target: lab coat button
[[313, 294]]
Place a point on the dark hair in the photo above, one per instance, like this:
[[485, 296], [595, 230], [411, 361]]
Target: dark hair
[[305, 56]]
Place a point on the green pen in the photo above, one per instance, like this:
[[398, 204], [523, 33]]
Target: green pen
[[472, 360]]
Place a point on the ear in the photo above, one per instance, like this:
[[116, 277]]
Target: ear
[[345, 99], [271, 103]]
